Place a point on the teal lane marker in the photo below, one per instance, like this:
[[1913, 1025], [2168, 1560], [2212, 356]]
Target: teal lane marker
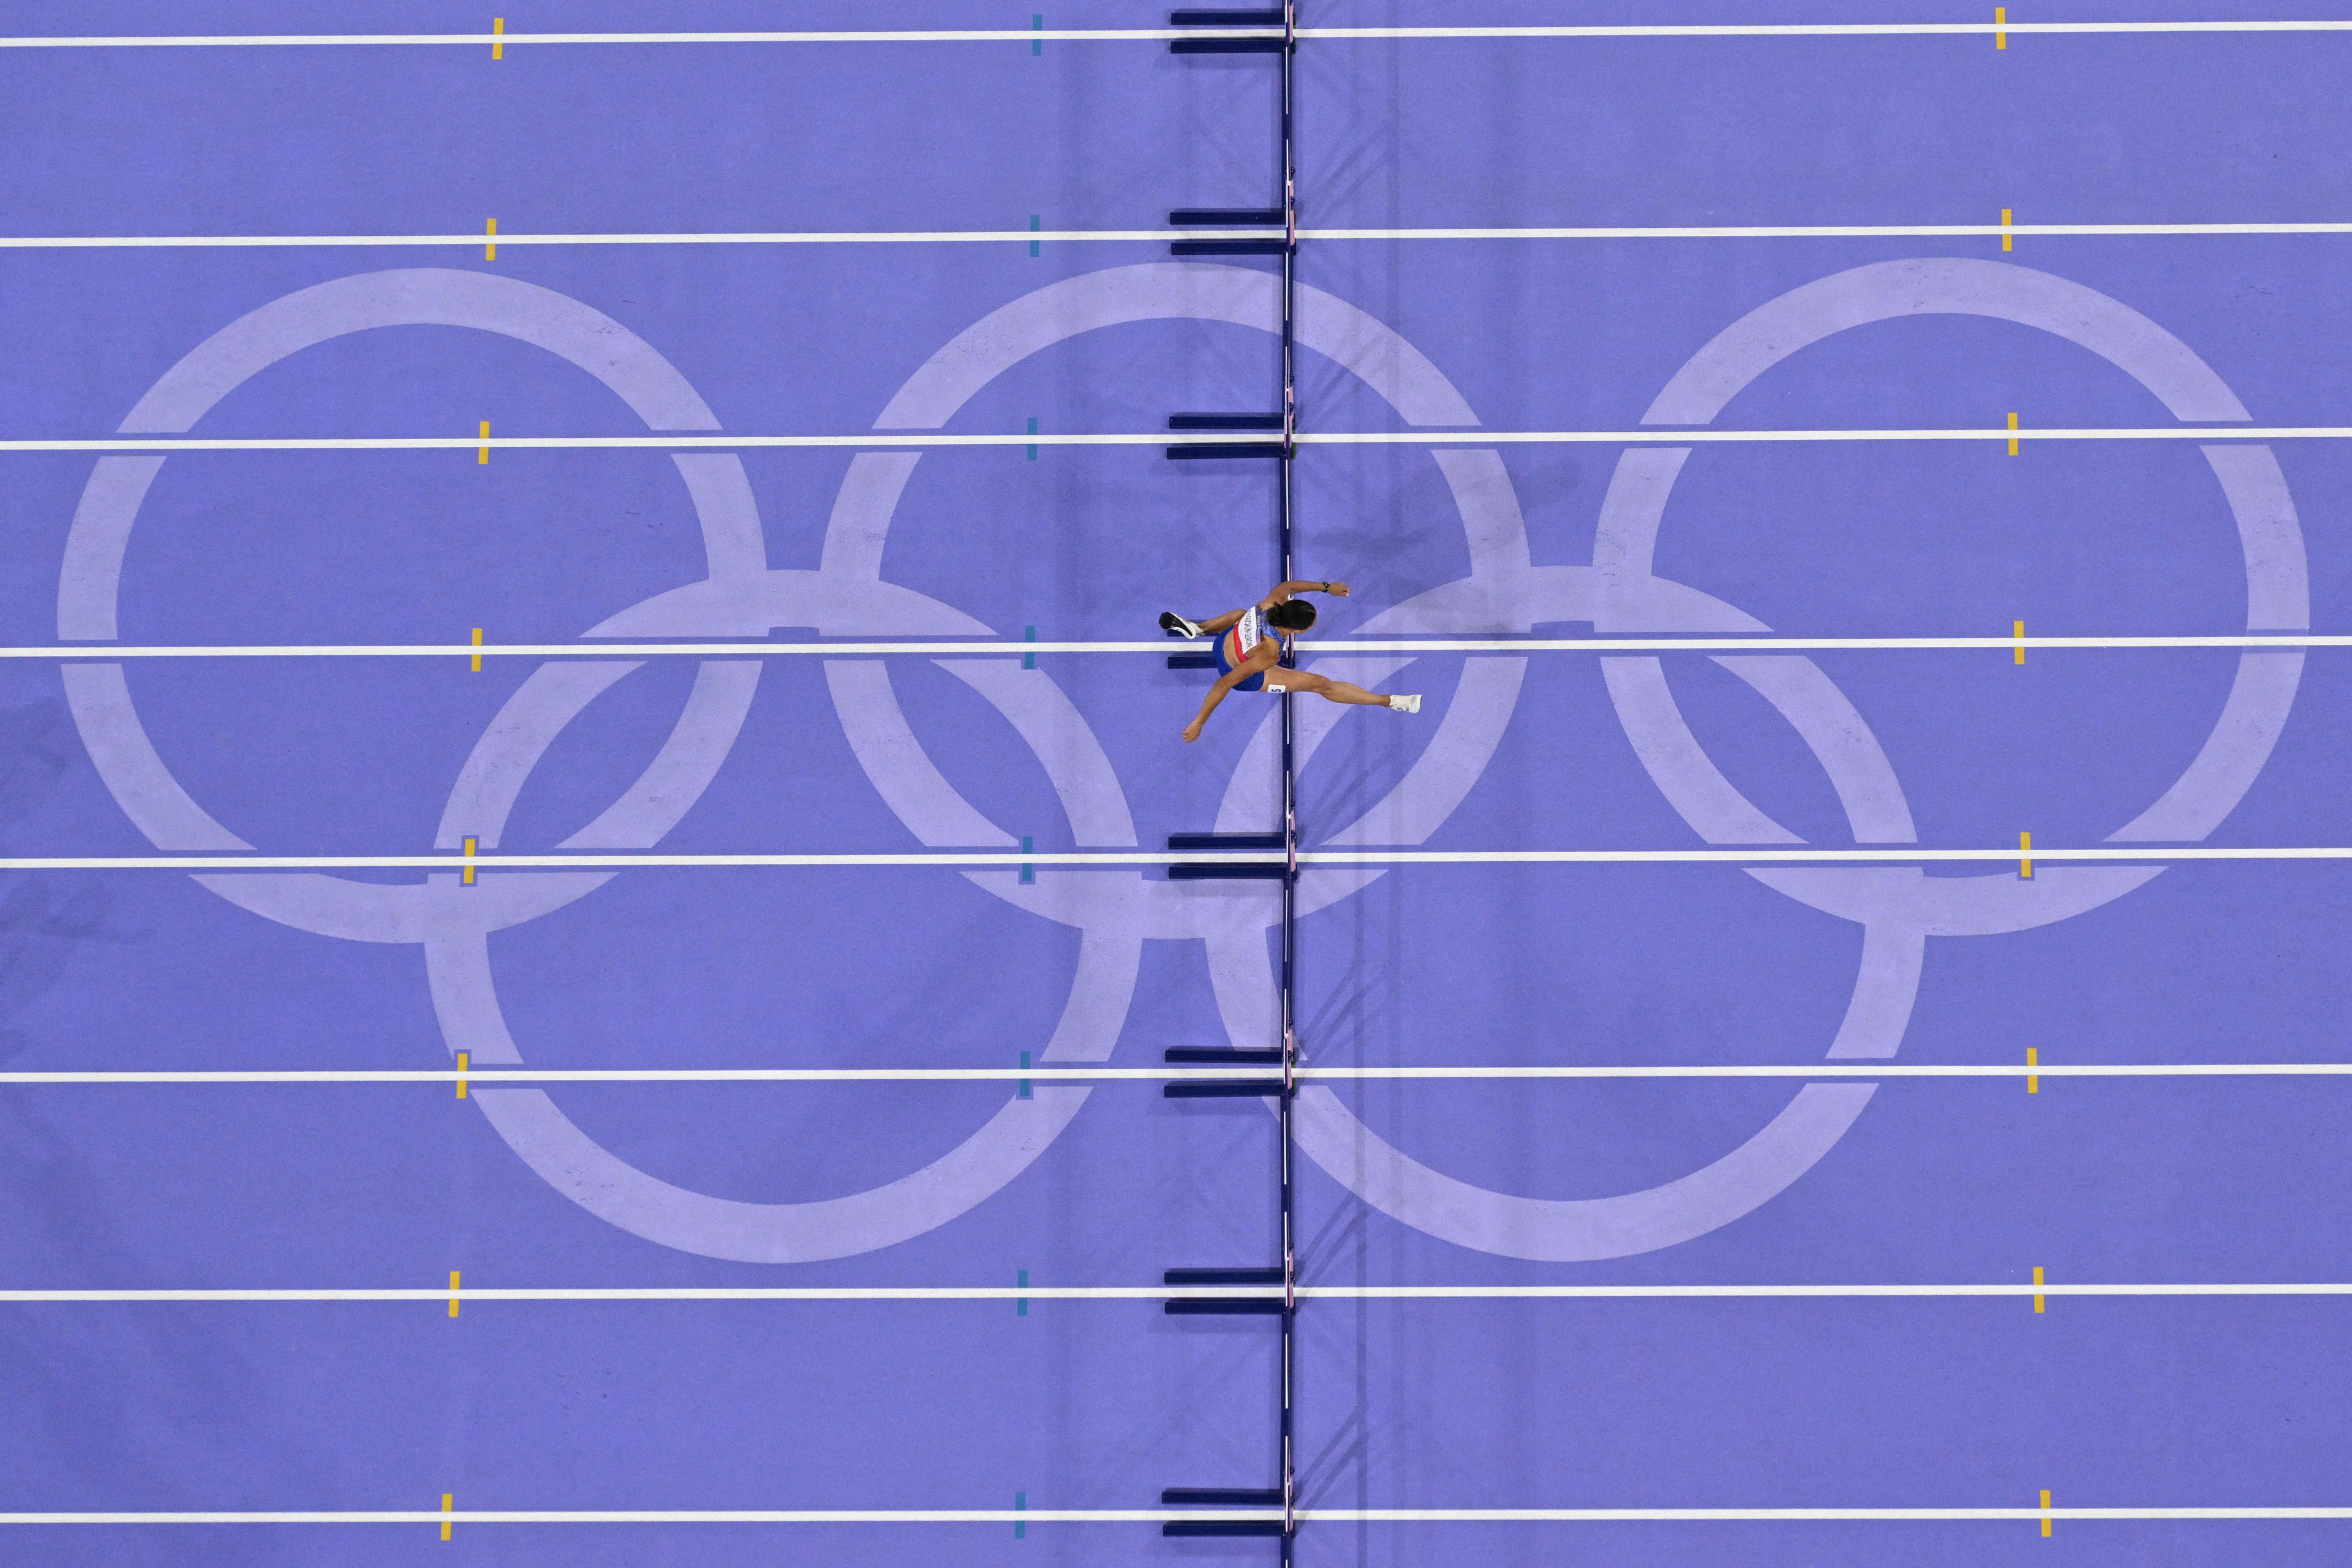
[[1024, 1094], [1021, 1281], [1034, 227], [1028, 872], [1037, 23], [1032, 420], [1020, 1499], [1029, 633]]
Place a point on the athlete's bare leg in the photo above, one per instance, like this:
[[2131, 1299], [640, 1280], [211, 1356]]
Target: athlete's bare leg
[[1224, 622], [1324, 686]]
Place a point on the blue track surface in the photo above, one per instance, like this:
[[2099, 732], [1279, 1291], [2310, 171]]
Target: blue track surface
[[1646, 1404]]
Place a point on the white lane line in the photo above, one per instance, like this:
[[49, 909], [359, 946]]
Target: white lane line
[[810, 236], [1169, 1292], [1365, 644], [893, 439], [1123, 34], [1812, 231], [1158, 236], [1761, 855], [469, 1517], [1156, 1516], [1783, 1515], [1819, 29], [1677, 438], [511, 41], [477, 1075]]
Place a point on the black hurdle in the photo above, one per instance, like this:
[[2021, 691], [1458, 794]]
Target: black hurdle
[[1282, 1089], [1270, 422], [1227, 870], [1262, 16]]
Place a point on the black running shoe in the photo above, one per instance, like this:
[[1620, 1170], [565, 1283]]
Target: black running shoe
[[1176, 626]]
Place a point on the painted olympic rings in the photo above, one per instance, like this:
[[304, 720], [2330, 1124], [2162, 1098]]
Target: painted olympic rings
[[1117, 911]]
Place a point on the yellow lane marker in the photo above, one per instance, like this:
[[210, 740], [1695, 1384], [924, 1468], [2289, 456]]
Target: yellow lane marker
[[483, 455], [2008, 240], [2021, 642], [2037, 1307], [490, 245], [2032, 1080], [453, 1297], [2001, 41], [2013, 425], [2025, 847], [466, 877], [2045, 1517], [499, 44], [465, 1063], [449, 1500], [477, 658]]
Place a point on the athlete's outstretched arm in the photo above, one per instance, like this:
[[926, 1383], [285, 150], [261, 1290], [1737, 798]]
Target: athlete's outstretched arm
[[1285, 590], [1216, 694]]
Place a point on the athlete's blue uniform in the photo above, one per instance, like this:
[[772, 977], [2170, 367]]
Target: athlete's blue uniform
[[1234, 645]]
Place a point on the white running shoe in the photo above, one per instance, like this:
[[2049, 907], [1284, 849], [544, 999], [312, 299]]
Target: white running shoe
[[1406, 704], [1176, 626]]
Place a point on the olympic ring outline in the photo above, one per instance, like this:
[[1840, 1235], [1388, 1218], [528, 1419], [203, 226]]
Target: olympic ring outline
[[741, 597], [454, 927], [1824, 1115], [865, 705], [1897, 907]]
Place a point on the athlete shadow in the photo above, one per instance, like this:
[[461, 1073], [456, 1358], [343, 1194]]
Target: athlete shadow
[[128, 1397], [44, 916], [1347, 1026]]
